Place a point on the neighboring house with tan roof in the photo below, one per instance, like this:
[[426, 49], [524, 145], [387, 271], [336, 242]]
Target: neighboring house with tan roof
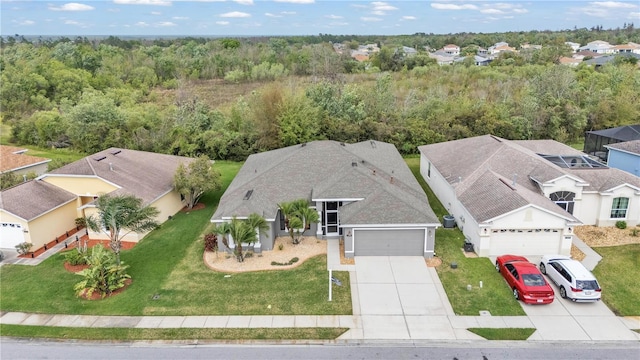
[[364, 193], [15, 160], [625, 156], [48, 206], [451, 50], [525, 197], [569, 61]]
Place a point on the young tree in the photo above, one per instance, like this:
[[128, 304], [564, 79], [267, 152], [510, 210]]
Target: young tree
[[194, 180], [298, 218], [120, 215]]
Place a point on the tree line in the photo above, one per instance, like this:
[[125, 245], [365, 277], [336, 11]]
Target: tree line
[[166, 96]]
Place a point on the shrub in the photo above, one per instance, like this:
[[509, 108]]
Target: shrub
[[248, 255], [621, 224], [635, 232], [24, 248], [290, 262], [280, 246], [103, 275], [210, 242], [81, 222], [76, 257]]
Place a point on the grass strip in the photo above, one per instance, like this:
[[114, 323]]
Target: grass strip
[[133, 334], [503, 334]]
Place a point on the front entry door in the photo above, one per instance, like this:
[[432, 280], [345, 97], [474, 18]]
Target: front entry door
[[330, 218]]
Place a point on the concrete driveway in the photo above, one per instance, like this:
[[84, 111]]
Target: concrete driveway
[[399, 299], [565, 320]]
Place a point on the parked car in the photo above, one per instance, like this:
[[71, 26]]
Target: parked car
[[525, 280], [574, 281]]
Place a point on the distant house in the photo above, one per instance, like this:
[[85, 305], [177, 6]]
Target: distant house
[[595, 141], [580, 55], [478, 60], [528, 46], [482, 52], [409, 51], [625, 156], [451, 50], [598, 46], [574, 46], [364, 193], [525, 197], [609, 58], [442, 58], [500, 47], [47, 207], [568, 61], [15, 160]]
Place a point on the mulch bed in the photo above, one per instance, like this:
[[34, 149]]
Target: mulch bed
[[97, 296], [433, 262], [196, 207], [74, 268]]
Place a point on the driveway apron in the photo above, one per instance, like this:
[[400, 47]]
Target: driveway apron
[[399, 300]]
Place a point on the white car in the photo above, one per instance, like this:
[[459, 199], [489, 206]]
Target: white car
[[574, 281]]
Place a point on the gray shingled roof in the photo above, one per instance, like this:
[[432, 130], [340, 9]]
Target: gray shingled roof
[[632, 147], [330, 170], [465, 163], [621, 133], [33, 198], [144, 174]]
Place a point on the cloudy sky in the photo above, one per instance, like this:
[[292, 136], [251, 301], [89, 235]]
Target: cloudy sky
[[305, 17]]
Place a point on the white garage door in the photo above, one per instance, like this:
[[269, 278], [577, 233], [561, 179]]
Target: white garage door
[[525, 242], [404, 242], [10, 235]]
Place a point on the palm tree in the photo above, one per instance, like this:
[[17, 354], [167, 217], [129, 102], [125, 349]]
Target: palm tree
[[241, 231], [298, 218], [120, 215]]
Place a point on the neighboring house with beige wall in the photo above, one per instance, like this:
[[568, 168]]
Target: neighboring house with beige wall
[[48, 206], [15, 160]]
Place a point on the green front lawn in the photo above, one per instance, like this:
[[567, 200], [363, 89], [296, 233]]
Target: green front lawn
[[168, 262], [494, 296], [132, 334], [503, 334], [618, 273]]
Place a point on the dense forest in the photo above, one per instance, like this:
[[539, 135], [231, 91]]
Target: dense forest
[[230, 97]]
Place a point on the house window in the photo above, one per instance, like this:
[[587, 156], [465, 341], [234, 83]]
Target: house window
[[564, 199], [429, 170], [619, 208], [282, 221]]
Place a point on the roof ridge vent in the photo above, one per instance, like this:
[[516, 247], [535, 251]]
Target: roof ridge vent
[[354, 164], [303, 144], [247, 196], [116, 152], [99, 158], [373, 144], [507, 183], [496, 138]]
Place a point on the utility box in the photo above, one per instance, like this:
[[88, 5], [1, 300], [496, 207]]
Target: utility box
[[468, 246], [449, 221]]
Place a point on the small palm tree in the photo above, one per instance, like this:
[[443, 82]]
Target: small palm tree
[[120, 215], [241, 231], [298, 218]]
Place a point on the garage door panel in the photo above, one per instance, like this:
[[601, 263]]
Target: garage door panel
[[525, 242], [11, 234], [408, 242]]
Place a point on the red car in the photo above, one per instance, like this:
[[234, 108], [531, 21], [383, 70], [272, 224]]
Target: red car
[[525, 280]]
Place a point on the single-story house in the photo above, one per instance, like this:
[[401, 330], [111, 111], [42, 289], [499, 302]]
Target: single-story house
[[595, 141], [364, 193], [525, 197], [45, 208], [625, 156], [15, 160]]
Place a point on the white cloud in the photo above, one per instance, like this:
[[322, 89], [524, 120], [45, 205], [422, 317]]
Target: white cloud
[[143, 2], [491, 11], [382, 6], [634, 15], [156, 13], [520, 11], [222, 22], [180, 18], [441, 6], [235, 14], [370, 19], [338, 23], [165, 24], [335, 17], [75, 23], [614, 5], [288, 12], [71, 7], [244, 2], [378, 12], [272, 15], [26, 22], [409, 18], [296, 1], [141, 24]]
